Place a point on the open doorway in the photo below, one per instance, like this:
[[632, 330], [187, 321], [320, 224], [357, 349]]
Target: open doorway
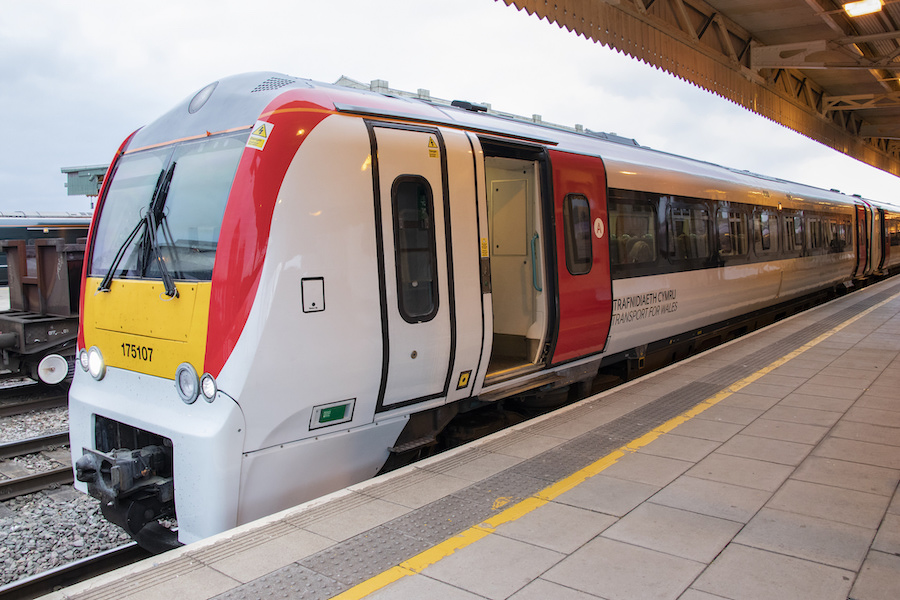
[[519, 289]]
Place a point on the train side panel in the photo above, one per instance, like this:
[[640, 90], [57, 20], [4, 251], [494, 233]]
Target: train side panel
[[315, 321]]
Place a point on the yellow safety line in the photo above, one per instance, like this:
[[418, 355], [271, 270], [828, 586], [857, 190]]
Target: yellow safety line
[[428, 557]]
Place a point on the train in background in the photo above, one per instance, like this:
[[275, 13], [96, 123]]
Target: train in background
[[41, 256], [291, 286], [30, 226]]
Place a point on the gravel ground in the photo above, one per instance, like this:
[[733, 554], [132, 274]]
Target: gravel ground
[[29, 425], [50, 528]]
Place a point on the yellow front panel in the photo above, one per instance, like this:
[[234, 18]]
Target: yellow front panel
[[137, 327]]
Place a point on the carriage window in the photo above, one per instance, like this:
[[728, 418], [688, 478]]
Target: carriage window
[[577, 219], [765, 232], [792, 236], [893, 230], [632, 232], [690, 232], [733, 233], [414, 244], [816, 235]]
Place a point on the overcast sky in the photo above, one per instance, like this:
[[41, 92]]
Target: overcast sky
[[77, 77]]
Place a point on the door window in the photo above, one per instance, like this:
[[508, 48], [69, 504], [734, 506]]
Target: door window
[[414, 242], [577, 218]]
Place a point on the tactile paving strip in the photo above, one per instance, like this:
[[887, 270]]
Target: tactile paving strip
[[294, 582], [390, 544]]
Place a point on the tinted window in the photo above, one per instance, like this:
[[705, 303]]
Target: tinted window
[[632, 230], [690, 227], [765, 225], [577, 219], [733, 233]]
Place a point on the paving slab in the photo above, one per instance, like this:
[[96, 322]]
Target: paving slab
[[679, 447], [608, 495], [819, 540], [557, 527], [745, 472], [496, 567], [850, 475], [776, 451], [832, 503], [712, 498], [674, 531], [879, 578], [615, 570], [743, 573]]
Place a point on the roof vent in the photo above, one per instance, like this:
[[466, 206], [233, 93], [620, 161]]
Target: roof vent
[[272, 83], [469, 106]]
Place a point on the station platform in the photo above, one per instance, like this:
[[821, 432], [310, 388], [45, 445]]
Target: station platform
[[766, 468]]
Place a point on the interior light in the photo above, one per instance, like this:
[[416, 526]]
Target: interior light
[[96, 364], [187, 383], [863, 7], [208, 387]]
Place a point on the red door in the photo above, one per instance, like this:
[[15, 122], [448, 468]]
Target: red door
[[862, 236], [582, 252]]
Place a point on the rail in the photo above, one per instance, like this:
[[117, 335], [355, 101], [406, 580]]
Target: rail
[[27, 484], [72, 573]]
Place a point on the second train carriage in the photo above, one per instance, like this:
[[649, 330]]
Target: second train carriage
[[288, 283]]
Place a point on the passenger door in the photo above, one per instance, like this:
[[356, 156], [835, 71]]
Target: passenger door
[[582, 250], [417, 307]]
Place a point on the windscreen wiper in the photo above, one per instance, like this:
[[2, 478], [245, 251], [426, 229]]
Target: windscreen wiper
[[107, 279], [154, 215], [110, 273], [149, 223]]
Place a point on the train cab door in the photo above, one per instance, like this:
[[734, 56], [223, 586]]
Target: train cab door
[[582, 252], [409, 172]]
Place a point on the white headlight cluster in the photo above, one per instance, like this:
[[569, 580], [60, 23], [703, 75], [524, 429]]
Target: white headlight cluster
[[208, 387], [189, 386], [92, 362]]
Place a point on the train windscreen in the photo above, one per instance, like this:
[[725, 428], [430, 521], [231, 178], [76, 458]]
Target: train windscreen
[[163, 211]]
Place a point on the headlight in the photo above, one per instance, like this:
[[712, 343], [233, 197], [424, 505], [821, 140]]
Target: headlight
[[83, 360], [208, 387], [96, 364], [187, 383]]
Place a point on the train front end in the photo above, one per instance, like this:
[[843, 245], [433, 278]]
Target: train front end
[[173, 263]]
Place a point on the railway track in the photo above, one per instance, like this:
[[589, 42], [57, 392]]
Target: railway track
[[72, 573], [27, 484], [14, 402]]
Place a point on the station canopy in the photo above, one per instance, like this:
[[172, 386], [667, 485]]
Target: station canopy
[[807, 64]]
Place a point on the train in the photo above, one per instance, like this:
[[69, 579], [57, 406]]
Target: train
[[291, 286], [41, 264]]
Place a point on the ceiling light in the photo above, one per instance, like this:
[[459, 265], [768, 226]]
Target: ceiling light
[[863, 7]]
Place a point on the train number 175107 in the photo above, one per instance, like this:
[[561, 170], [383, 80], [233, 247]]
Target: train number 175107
[[139, 352]]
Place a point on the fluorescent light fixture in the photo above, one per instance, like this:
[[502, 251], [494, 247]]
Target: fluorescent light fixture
[[863, 7]]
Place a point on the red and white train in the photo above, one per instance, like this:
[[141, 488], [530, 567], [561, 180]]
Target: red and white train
[[287, 283]]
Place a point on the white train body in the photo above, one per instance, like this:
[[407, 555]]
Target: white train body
[[381, 262]]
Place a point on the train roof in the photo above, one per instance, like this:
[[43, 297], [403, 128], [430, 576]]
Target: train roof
[[241, 99]]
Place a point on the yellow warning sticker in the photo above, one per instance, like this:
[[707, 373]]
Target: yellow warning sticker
[[463, 380], [260, 135], [485, 250], [432, 148]]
